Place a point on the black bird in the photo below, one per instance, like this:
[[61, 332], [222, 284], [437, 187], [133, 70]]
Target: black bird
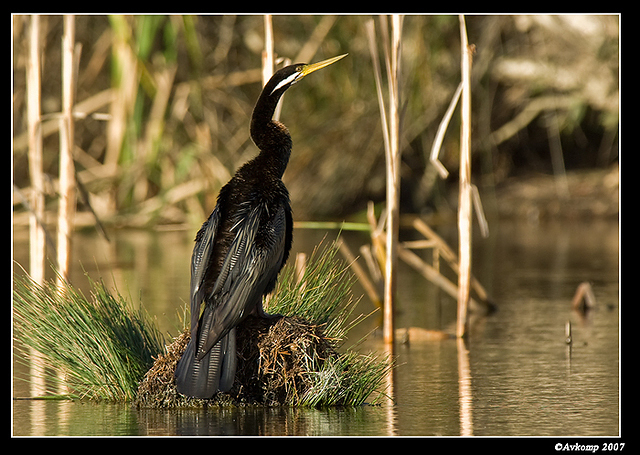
[[241, 248]]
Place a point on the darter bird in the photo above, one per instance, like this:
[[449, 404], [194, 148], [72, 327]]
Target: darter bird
[[241, 248]]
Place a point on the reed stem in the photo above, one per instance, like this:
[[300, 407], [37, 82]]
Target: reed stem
[[464, 207], [267, 53], [67, 184], [37, 239], [37, 234], [393, 179], [391, 134]]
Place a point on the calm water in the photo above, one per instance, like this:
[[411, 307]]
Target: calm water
[[516, 376]]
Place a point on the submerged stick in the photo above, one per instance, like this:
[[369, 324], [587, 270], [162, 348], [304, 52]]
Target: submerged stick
[[584, 298]]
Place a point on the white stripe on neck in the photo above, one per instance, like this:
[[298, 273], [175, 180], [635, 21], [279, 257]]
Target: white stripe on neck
[[291, 79]]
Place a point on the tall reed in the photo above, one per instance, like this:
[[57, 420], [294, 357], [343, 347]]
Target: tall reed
[[465, 195], [37, 240], [37, 233], [67, 183], [391, 134]]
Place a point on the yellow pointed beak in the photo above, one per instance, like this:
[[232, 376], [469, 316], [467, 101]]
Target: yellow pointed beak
[[308, 69]]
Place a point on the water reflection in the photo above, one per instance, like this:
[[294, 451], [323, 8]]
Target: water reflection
[[68, 418], [526, 380], [516, 375], [464, 387], [266, 421]]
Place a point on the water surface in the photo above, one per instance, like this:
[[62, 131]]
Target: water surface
[[516, 376]]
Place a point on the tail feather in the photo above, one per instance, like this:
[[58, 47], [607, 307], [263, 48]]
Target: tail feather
[[214, 372], [229, 363]]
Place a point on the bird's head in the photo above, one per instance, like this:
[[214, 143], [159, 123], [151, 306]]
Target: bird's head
[[289, 75]]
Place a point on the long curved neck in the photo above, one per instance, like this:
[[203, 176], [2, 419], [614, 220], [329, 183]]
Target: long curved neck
[[270, 136]]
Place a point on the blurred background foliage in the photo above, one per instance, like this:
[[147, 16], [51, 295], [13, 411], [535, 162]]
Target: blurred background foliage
[[163, 107]]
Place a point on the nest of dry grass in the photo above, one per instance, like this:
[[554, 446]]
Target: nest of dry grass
[[292, 360], [277, 361]]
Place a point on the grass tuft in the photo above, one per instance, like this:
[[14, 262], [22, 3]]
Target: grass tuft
[[101, 348], [322, 296], [98, 347]]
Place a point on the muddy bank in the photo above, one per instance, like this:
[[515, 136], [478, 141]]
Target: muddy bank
[[576, 195]]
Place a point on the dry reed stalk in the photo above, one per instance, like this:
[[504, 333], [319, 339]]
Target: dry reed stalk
[[310, 48], [479, 211], [431, 273], [447, 254], [268, 59], [300, 266], [67, 181], [372, 265], [67, 184], [267, 53], [37, 234], [37, 246], [147, 149], [393, 178], [378, 77], [377, 234], [81, 110], [442, 128], [363, 278], [234, 79], [391, 132], [465, 203], [126, 80]]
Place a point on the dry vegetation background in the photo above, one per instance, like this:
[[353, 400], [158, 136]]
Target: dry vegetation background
[[163, 106]]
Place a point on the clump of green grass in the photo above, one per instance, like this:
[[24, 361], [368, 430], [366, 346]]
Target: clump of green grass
[[103, 349], [322, 297], [98, 347], [347, 379]]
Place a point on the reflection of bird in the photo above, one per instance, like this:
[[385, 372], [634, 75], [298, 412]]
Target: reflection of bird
[[241, 247]]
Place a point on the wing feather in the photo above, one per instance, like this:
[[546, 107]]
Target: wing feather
[[249, 269], [205, 240]]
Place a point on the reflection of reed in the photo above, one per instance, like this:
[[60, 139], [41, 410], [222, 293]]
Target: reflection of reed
[[392, 429], [464, 390]]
